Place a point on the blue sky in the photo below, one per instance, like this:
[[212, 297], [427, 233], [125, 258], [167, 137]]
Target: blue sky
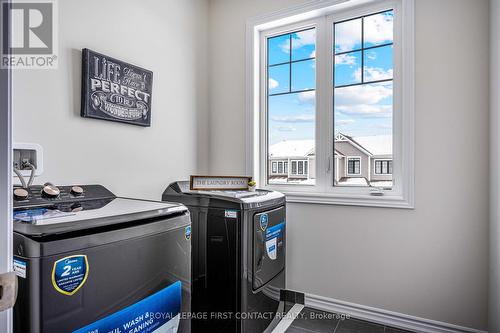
[[359, 110]]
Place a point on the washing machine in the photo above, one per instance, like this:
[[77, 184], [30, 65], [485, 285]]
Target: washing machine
[[88, 262], [238, 258]]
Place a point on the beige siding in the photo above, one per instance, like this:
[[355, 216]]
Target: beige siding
[[340, 164], [347, 149], [312, 167], [374, 176]]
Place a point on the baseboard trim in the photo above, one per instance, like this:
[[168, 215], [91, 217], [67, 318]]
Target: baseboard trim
[[384, 317]]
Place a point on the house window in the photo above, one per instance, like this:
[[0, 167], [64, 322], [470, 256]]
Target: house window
[[290, 92], [274, 167], [353, 166], [383, 167], [294, 167], [301, 167], [332, 94], [280, 167]]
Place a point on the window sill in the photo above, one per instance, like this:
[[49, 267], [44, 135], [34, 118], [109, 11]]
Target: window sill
[[385, 201]]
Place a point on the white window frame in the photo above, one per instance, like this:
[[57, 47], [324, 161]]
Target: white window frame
[[321, 15], [347, 165]]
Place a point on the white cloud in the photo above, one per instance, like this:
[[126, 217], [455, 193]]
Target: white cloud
[[375, 74], [364, 100], [288, 128], [342, 122], [303, 118], [377, 111], [363, 94], [299, 39], [379, 29], [357, 75], [345, 59], [307, 96], [383, 126], [371, 55], [348, 35], [306, 37], [273, 83]]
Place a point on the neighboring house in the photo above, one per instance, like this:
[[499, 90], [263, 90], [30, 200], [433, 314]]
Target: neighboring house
[[358, 161], [365, 159], [292, 161]]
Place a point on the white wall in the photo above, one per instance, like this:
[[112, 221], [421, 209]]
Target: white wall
[[167, 37], [430, 262], [494, 292]]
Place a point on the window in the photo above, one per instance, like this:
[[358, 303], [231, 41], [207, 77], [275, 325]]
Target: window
[[301, 167], [280, 167], [353, 166], [274, 167], [291, 83], [331, 92], [363, 88], [383, 167]]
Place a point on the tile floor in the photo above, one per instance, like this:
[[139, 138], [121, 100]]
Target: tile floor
[[317, 321]]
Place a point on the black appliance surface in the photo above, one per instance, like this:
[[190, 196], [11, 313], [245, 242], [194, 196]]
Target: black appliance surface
[[92, 262], [238, 263]]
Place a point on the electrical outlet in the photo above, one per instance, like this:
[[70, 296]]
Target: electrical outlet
[[24, 153]]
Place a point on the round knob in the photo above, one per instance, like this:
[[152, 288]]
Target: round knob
[[50, 191], [76, 190], [20, 194], [76, 207]]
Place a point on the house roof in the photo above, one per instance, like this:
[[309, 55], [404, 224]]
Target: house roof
[[338, 153], [376, 144], [290, 148]]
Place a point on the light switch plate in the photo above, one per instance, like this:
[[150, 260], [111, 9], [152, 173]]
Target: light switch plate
[[32, 152]]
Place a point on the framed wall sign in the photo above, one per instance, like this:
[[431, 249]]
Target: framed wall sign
[[115, 90], [210, 183]]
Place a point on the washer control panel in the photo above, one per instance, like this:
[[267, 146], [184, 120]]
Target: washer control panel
[[49, 194]]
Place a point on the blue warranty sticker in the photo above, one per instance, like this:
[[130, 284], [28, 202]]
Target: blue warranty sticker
[[187, 232], [157, 313], [273, 236], [20, 268], [275, 231], [70, 273], [264, 220]]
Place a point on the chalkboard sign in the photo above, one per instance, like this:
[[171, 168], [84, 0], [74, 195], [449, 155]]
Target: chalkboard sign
[[115, 90]]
